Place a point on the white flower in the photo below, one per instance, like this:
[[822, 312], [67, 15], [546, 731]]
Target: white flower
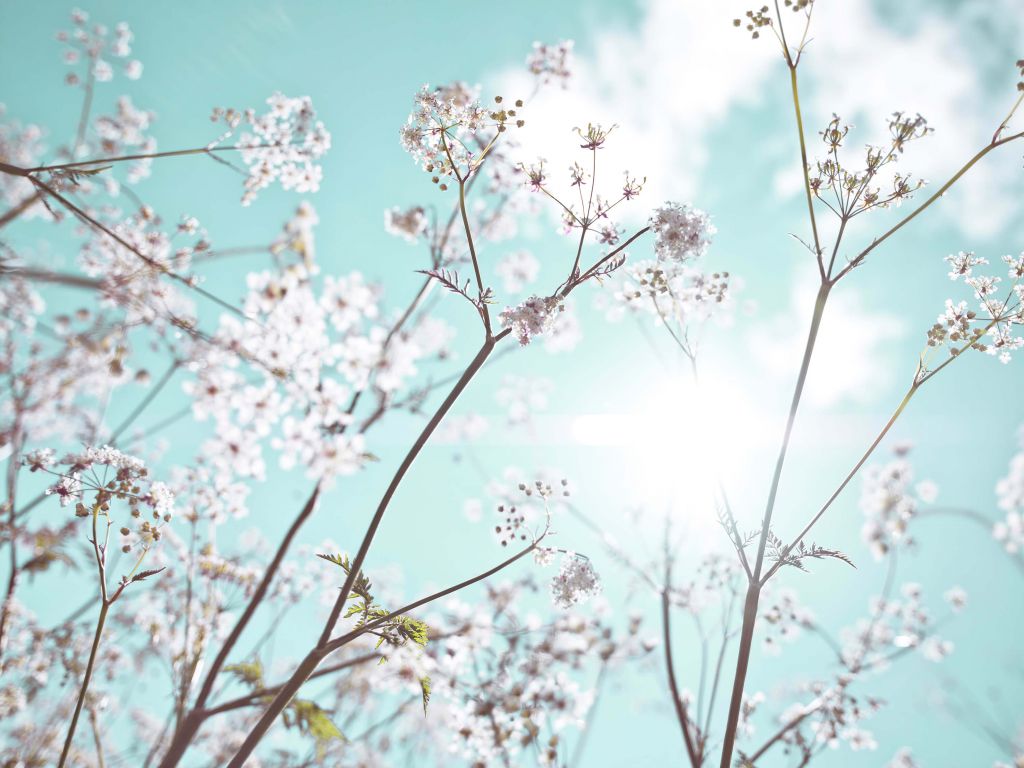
[[682, 232], [68, 489], [409, 224], [575, 583], [533, 317], [957, 598], [551, 63]]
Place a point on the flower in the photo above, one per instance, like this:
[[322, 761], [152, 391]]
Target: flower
[[575, 583], [532, 318], [67, 489], [281, 145], [409, 224], [551, 63], [682, 232]]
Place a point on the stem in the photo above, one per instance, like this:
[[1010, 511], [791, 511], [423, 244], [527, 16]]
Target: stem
[[186, 732], [104, 607], [313, 658], [742, 661], [148, 156], [803, 160], [846, 481], [484, 314], [754, 588], [677, 700]]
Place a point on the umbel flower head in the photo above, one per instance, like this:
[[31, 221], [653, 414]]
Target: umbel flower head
[[449, 133], [682, 232]]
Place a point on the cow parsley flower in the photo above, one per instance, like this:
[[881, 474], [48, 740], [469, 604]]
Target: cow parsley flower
[[409, 224], [551, 63], [449, 131], [533, 317], [575, 583], [280, 145], [682, 232]]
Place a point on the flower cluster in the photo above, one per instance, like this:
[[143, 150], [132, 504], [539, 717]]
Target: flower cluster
[[551, 63], [992, 328], [278, 145], [682, 232], [449, 133], [855, 192], [409, 224], [92, 43], [889, 500], [533, 317], [109, 474]]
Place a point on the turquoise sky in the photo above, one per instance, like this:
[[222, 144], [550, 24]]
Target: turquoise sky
[[362, 62]]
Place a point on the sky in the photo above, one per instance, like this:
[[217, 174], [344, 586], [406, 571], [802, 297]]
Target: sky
[[704, 113]]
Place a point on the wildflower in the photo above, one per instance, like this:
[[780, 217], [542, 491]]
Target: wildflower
[[682, 232], [409, 224], [575, 583], [551, 63], [532, 318]]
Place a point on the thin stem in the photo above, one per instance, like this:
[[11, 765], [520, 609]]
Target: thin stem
[[846, 481], [312, 660], [482, 306], [321, 649], [146, 401], [190, 725], [104, 607], [803, 160], [677, 699], [859, 259], [147, 156]]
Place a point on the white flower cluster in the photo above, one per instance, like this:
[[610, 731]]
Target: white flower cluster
[[448, 130], [784, 618], [440, 133], [993, 327], [576, 582], [551, 63], [889, 499], [20, 145], [279, 145], [682, 232], [533, 317], [896, 624], [409, 224], [92, 43]]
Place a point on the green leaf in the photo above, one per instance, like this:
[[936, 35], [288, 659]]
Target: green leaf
[[250, 673], [425, 687], [313, 720]]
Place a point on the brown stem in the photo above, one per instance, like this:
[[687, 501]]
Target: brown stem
[[677, 699], [742, 662], [190, 725], [316, 655]]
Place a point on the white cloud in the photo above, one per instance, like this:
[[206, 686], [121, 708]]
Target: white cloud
[[671, 80]]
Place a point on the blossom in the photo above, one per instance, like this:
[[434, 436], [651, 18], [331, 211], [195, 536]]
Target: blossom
[[957, 598], [575, 583], [551, 63], [533, 317], [409, 224], [962, 263], [279, 145], [448, 129], [68, 489], [682, 232]]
